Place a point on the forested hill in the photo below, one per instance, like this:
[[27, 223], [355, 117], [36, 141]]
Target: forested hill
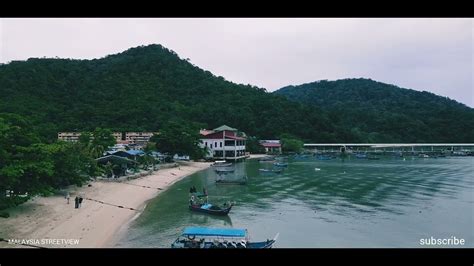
[[379, 112], [141, 89], [144, 87]]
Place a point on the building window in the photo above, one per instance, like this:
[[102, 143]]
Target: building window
[[211, 145], [215, 144], [221, 144]]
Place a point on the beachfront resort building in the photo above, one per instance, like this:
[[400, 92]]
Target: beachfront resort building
[[139, 138], [69, 136], [132, 139], [224, 142], [74, 136], [271, 146]]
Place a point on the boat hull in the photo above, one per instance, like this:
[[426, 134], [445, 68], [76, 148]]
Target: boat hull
[[220, 182], [221, 212]]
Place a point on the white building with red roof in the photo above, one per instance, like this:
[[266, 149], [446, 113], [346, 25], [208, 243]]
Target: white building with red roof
[[271, 146], [224, 143]]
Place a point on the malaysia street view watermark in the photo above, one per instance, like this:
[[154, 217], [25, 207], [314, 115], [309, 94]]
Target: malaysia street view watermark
[[46, 241]]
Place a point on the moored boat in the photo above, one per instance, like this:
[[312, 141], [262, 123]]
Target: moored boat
[[224, 170], [324, 157], [221, 164], [270, 171], [280, 164], [225, 181], [361, 156], [211, 209], [267, 159], [206, 237]]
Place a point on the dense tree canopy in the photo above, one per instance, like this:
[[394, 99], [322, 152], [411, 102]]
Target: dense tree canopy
[[29, 166], [291, 143], [178, 137], [364, 110]]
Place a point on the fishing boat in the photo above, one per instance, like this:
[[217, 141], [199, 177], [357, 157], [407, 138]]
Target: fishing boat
[[324, 157], [267, 158], [224, 170], [224, 181], [221, 164], [280, 164], [424, 156], [206, 237], [270, 171], [211, 209], [361, 156]]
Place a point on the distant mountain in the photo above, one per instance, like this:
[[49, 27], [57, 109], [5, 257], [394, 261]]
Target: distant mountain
[[379, 112], [142, 88]]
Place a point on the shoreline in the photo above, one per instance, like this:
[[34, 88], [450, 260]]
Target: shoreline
[[99, 223]]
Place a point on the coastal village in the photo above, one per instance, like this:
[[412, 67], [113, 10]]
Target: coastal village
[[109, 206], [221, 143]]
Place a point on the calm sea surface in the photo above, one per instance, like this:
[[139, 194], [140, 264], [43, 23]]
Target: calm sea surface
[[389, 202]]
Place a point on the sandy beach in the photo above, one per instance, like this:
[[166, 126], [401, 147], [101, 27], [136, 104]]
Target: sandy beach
[[95, 224]]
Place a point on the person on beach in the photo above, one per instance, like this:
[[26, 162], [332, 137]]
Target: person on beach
[[67, 198], [80, 201], [76, 202]]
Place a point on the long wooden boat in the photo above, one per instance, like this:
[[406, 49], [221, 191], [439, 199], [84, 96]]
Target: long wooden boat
[[223, 181], [210, 209], [206, 237], [224, 170], [324, 157], [271, 171], [361, 156], [280, 164], [221, 164]]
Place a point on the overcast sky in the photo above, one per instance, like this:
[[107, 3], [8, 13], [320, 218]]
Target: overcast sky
[[423, 54]]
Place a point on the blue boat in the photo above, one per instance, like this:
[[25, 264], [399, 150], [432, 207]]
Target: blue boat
[[324, 157], [361, 156], [206, 237]]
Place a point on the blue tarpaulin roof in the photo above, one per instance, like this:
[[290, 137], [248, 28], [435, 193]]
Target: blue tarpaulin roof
[[206, 231], [135, 152]]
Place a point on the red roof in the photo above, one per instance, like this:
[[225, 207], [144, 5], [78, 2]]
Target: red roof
[[234, 137], [206, 132], [218, 135], [271, 145]]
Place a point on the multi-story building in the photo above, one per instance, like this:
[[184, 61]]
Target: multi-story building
[[139, 138], [223, 142], [69, 136], [74, 136]]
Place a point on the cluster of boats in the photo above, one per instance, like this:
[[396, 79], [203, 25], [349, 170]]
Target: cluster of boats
[[277, 162], [204, 237]]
